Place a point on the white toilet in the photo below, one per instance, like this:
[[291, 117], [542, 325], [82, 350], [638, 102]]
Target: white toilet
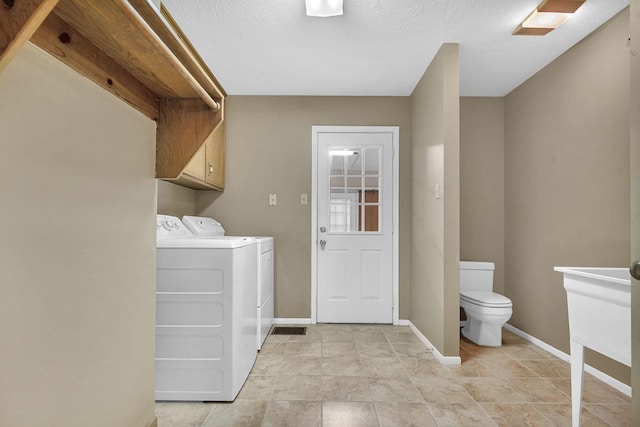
[[486, 311]]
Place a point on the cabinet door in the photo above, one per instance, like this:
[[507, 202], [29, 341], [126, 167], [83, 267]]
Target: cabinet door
[[214, 164], [196, 167]]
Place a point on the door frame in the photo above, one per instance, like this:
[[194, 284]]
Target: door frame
[[395, 131]]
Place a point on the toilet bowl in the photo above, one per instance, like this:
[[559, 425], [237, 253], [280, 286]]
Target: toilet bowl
[[486, 310]]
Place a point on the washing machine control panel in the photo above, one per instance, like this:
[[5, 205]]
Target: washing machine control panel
[[170, 226]]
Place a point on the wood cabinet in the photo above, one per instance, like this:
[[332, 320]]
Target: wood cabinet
[[205, 170], [135, 51], [214, 157]]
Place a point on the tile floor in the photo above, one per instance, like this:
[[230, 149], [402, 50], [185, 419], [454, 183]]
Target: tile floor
[[380, 375]]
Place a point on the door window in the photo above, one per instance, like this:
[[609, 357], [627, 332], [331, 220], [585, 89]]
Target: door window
[[354, 189]]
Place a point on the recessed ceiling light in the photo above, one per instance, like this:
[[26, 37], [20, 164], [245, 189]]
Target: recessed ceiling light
[[324, 8]]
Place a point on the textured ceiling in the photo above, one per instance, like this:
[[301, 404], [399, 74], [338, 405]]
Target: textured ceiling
[[378, 47]]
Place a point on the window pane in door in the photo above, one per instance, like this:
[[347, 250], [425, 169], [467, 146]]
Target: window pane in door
[[354, 189], [343, 213], [372, 161]]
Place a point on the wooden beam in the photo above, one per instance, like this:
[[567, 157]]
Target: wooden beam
[[63, 42], [168, 30], [183, 127], [118, 30], [19, 19]]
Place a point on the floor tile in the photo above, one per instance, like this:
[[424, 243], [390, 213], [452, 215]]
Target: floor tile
[[417, 351], [267, 365], [345, 389], [538, 390], [442, 390], [383, 367], [507, 368], [370, 336], [292, 414], [548, 368], [352, 414], [560, 415], [183, 414], [615, 415], [525, 352], [394, 390], [304, 349], [398, 414], [405, 336], [376, 349], [241, 413], [343, 366], [340, 349], [515, 414], [273, 348], [257, 387], [594, 391], [296, 365], [423, 368], [459, 414], [301, 387], [370, 374], [490, 389]]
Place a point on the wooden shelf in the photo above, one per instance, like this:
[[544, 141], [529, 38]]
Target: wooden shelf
[[134, 51]]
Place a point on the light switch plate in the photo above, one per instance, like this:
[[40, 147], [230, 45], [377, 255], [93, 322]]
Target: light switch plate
[[273, 199], [304, 199]]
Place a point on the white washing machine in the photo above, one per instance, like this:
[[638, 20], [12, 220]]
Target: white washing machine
[[210, 228], [205, 315]]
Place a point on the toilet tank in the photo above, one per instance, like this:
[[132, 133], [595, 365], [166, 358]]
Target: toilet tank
[[476, 276]]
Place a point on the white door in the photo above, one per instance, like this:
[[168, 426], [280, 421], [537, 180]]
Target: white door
[[354, 224]]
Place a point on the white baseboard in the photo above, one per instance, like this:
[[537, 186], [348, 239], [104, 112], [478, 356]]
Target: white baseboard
[[445, 360], [618, 385], [403, 322], [291, 321]]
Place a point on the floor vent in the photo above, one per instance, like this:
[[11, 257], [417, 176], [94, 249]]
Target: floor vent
[[289, 330]]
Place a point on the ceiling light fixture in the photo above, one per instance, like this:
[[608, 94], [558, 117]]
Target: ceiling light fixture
[[324, 8], [549, 15]]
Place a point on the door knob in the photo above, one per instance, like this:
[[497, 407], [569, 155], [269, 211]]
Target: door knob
[[323, 229], [323, 243], [635, 270]]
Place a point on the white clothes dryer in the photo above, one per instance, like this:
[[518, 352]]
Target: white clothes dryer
[[210, 228], [205, 315]]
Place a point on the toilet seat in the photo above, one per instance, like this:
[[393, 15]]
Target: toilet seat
[[485, 299]]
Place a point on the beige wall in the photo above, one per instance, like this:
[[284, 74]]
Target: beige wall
[[175, 200], [635, 201], [77, 255], [567, 180], [269, 151], [482, 183], [435, 242]]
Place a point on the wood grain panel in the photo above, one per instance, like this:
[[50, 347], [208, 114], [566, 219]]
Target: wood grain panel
[[18, 23], [110, 26], [168, 30], [215, 162], [70, 47], [183, 126]]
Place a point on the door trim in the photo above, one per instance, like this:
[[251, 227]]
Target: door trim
[[395, 131]]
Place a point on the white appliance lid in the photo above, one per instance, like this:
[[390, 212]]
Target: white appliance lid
[[203, 226], [487, 299], [222, 242]]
